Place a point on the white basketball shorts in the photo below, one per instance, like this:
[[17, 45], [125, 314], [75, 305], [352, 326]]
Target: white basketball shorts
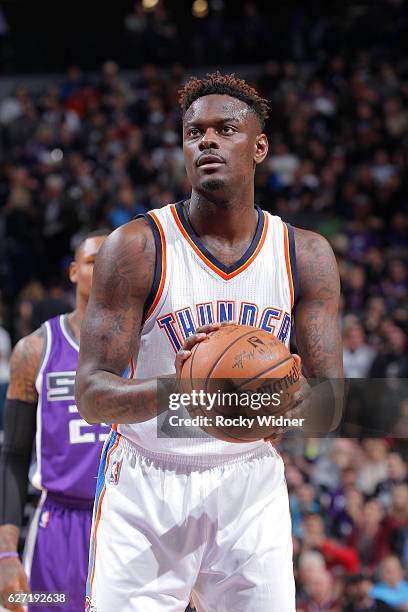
[[166, 527]]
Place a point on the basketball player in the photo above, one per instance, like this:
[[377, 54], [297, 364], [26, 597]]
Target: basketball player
[[40, 404], [178, 515]]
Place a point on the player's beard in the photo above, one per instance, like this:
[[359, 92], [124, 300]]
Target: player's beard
[[213, 184]]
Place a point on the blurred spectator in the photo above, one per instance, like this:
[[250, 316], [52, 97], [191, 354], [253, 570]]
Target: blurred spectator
[[125, 208], [302, 503], [397, 473], [329, 466], [357, 355], [310, 563], [32, 293], [345, 505], [52, 304], [336, 556], [395, 284], [392, 362], [374, 465], [359, 598], [319, 595], [371, 538], [392, 589]]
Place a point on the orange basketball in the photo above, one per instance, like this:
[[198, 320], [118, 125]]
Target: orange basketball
[[230, 369]]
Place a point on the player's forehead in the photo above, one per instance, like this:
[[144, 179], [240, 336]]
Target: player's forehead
[[217, 108], [90, 247]]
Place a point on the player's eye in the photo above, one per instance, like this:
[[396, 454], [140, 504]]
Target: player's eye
[[193, 132], [227, 129]]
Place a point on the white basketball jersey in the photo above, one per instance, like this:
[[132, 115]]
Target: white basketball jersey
[[191, 288]]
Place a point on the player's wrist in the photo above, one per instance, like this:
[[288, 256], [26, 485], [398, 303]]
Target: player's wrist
[[9, 535], [9, 554]]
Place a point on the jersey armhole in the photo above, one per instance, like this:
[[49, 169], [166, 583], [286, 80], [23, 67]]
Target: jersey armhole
[[159, 267], [46, 330], [292, 271]]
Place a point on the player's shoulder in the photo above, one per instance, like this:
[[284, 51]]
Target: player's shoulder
[[24, 363], [309, 242], [134, 237], [315, 261], [32, 343], [125, 263]]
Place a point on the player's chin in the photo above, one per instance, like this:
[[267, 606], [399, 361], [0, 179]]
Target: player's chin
[[212, 184]]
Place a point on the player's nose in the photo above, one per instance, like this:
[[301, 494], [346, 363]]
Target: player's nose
[[209, 140]]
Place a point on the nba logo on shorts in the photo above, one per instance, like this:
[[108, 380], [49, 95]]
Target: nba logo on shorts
[[89, 606], [45, 519], [115, 472]]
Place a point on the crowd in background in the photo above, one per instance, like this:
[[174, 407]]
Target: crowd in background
[[95, 150], [349, 506]]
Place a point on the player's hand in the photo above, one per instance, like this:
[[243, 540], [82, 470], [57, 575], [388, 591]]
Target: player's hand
[[300, 406], [12, 579], [200, 335]]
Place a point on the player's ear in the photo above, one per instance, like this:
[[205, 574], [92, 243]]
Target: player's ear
[[261, 148], [73, 272]]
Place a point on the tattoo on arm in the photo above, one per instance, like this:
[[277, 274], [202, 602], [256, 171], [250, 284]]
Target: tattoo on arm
[[122, 279], [316, 318], [24, 364]]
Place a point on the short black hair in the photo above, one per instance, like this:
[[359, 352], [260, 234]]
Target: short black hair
[[223, 84], [357, 578], [79, 240]]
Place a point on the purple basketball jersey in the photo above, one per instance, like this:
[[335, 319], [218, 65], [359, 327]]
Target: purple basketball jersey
[[67, 449]]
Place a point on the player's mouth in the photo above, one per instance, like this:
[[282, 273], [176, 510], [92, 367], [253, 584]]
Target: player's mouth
[[209, 160]]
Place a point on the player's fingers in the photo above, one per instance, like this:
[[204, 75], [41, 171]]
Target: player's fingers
[[200, 335], [210, 327], [207, 328], [193, 340], [297, 359], [181, 357]]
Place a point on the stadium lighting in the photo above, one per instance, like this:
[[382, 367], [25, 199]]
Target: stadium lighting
[[200, 8]]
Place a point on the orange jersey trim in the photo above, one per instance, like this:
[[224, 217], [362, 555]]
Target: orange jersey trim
[[288, 265], [98, 511], [210, 264], [163, 265]]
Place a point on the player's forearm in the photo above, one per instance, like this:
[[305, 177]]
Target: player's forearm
[[106, 397], [9, 535], [320, 347]]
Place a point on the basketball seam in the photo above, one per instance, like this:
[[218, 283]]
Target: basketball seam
[[253, 331], [275, 365]]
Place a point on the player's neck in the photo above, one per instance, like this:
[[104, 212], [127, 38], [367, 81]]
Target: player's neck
[[75, 320], [232, 219]]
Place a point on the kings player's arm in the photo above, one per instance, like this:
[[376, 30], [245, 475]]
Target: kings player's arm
[[19, 432], [317, 324]]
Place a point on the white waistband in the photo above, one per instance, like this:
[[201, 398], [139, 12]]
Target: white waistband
[[199, 461]]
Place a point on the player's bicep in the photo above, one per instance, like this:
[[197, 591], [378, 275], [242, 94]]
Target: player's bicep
[[317, 324], [24, 364], [122, 279]]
